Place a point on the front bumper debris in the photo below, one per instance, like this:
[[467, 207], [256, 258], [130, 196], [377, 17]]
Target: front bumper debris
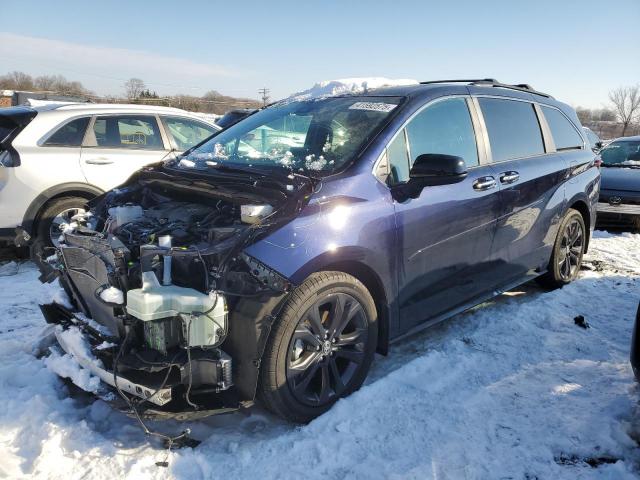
[[160, 402], [159, 396]]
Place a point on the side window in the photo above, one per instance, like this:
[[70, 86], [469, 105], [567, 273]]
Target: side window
[[186, 132], [444, 127], [513, 128], [564, 133], [130, 131], [70, 134]]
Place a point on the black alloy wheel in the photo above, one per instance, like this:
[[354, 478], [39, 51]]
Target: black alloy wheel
[[568, 250], [320, 347], [571, 247], [327, 349]]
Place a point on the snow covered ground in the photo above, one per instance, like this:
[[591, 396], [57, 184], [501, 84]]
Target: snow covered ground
[[513, 389]]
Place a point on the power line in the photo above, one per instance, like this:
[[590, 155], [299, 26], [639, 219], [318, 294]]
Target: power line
[[264, 91]]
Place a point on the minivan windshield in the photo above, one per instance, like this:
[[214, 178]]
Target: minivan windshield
[[313, 137], [621, 153]]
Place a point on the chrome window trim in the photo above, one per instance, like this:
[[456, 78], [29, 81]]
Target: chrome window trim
[[547, 136]]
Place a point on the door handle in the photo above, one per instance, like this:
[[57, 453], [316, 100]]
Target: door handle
[[484, 183], [98, 161], [509, 177]]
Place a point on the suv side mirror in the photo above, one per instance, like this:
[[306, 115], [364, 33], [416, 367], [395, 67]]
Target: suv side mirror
[[437, 169]]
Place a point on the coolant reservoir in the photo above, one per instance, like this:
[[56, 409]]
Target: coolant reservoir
[[125, 214], [204, 317]]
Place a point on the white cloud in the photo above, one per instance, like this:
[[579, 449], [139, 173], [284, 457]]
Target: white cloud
[[108, 66]]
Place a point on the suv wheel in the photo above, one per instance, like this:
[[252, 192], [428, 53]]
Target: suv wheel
[[320, 348], [55, 216], [566, 258]]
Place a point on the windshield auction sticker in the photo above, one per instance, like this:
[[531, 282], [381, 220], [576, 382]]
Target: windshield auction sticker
[[373, 106]]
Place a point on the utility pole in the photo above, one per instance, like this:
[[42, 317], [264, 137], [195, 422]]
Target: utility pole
[[265, 95]]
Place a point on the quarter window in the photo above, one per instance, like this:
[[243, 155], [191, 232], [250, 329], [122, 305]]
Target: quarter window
[[70, 134], [398, 159], [135, 132], [186, 133], [513, 128], [564, 133]]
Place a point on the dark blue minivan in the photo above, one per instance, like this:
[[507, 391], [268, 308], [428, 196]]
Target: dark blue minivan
[[303, 239]]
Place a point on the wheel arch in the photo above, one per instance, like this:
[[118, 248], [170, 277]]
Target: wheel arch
[[33, 212], [582, 207], [373, 284]]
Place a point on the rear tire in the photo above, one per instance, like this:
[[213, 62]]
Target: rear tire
[[567, 253], [320, 347]]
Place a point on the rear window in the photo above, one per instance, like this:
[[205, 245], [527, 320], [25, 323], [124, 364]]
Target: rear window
[[565, 136], [70, 134], [514, 131], [12, 121]]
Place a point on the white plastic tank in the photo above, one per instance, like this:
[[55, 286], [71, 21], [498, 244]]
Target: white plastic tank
[[204, 317]]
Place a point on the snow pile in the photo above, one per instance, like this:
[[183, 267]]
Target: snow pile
[[9, 268], [343, 86], [65, 364], [511, 389], [112, 295]]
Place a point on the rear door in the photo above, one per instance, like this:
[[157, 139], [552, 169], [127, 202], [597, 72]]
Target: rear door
[[444, 235], [530, 173], [117, 145]]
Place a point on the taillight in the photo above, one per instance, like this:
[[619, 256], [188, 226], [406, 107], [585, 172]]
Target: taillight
[[598, 161]]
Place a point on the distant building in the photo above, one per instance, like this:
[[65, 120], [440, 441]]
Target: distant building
[[6, 97], [9, 98]]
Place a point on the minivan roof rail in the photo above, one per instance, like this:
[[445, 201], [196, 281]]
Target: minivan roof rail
[[492, 82]]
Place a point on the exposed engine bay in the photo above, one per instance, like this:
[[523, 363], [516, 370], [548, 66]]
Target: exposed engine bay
[[159, 270]]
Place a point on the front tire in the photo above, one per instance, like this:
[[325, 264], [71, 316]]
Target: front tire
[[51, 222], [55, 216], [568, 250], [320, 348]]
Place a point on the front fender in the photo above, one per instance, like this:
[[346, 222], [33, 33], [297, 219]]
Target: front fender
[[332, 228]]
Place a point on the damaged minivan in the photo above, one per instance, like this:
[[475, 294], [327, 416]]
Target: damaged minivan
[[272, 261]]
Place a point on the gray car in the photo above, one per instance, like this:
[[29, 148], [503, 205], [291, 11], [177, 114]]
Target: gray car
[[619, 203]]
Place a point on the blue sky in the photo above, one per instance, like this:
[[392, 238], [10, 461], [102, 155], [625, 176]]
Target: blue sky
[[575, 50]]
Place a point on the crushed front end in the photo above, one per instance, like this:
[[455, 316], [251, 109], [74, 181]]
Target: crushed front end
[[171, 312]]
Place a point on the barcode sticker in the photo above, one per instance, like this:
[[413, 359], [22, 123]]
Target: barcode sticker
[[373, 106]]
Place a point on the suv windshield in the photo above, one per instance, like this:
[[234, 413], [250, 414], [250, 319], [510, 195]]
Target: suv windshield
[[317, 137], [622, 153]]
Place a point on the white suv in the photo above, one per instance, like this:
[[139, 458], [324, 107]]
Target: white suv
[[55, 157]]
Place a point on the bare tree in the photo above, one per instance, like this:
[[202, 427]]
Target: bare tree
[[626, 103], [133, 88], [16, 81]]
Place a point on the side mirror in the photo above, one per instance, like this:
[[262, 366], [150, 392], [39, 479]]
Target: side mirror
[[437, 169], [430, 169]]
